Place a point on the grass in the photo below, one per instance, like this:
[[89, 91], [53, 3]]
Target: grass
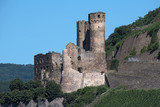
[[129, 98]]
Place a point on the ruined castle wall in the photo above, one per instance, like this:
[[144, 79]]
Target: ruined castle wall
[[97, 32], [47, 67], [86, 61], [93, 79], [73, 80], [82, 34]]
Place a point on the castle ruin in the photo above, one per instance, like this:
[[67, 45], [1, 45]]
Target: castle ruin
[[80, 65]]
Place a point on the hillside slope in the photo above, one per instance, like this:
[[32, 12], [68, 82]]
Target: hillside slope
[[147, 26], [9, 72], [137, 49], [12, 71]]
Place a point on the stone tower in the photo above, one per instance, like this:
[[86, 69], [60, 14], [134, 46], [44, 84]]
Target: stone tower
[[83, 34], [97, 32]]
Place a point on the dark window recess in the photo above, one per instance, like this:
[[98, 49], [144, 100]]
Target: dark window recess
[[98, 16], [102, 72], [47, 67], [98, 26], [79, 51], [44, 67], [79, 30], [47, 58], [41, 67], [79, 58], [80, 69]]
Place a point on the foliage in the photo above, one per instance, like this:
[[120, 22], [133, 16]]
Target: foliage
[[143, 50], [84, 96], [12, 71], [154, 44], [158, 56], [52, 91], [129, 98], [114, 64], [4, 86], [133, 52], [124, 32], [16, 84], [33, 90], [32, 84]]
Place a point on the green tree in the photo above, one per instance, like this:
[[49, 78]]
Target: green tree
[[38, 93], [27, 95], [15, 96], [16, 84], [52, 91], [32, 84]]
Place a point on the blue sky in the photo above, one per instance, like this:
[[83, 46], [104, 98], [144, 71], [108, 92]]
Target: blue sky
[[29, 27]]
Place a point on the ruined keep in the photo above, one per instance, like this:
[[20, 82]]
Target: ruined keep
[[81, 65]]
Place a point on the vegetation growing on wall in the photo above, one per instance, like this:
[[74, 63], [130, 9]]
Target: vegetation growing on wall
[[143, 50], [154, 44], [114, 64], [158, 56]]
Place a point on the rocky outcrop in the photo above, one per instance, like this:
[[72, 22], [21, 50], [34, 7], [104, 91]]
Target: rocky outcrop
[[138, 42], [58, 102]]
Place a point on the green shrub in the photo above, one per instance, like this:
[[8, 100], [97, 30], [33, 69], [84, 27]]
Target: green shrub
[[27, 95], [83, 97], [38, 93], [158, 56], [143, 50], [52, 91], [16, 84], [133, 52], [32, 84], [114, 64]]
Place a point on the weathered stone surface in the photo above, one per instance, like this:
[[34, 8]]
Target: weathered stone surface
[[84, 64], [72, 80], [138, 42], [58, 102], [47, 67], [136, 75]]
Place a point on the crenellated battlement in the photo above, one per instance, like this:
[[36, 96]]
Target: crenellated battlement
[[98, 17]]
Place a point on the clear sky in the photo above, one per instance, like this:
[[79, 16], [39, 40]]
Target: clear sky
[[29, 27]]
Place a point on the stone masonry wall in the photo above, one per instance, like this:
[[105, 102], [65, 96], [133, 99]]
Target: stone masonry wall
[[47, 67], [136, 75], [73, 80]]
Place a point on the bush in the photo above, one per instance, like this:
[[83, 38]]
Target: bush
[[143, 50], [32, 84], [38, 93], [114, 64], [83, 97], [154, 44], [52, 91], [133, 52], [16, 84], [158, 56], [27, 95]]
